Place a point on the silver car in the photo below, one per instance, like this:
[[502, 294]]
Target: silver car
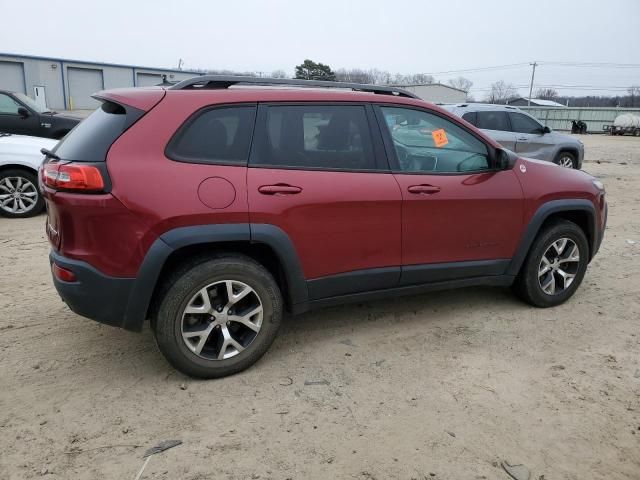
[[521, 133]]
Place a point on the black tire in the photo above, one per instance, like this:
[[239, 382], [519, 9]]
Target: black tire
[[24, 176], [636, 132], [527, 285], [564, 155], [180, 288]]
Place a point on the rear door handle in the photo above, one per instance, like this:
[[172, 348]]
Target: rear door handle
[[279, 189], [423, 189], [523, 139]]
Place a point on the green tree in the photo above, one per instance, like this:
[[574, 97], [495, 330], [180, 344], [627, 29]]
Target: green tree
[[310, 70]]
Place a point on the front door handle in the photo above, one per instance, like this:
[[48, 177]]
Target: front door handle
[[279, 189], [523, 139], [423, 189]]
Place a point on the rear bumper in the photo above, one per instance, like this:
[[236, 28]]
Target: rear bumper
[[93, 295]]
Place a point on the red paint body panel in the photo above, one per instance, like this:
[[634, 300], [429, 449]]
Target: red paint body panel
[[472, 217], [97, 229], [339, 222], [544, 181], [137, 158]]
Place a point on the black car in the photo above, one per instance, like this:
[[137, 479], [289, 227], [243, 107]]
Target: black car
[[21, 115]]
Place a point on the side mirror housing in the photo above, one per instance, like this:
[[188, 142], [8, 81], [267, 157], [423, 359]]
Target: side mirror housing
[[546, 130], [23, 112], [505, 159]]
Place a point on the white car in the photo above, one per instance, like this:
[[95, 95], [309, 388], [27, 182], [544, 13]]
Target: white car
[[20, 158]]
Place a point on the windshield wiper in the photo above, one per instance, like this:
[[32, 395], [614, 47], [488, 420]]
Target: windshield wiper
[[49, 153]]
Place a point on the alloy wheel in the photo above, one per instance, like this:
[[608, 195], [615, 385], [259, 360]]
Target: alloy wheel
[[17, 195], [565, 161], [558, 266], [221, 320]]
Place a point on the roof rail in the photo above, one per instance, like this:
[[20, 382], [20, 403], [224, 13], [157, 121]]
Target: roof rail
[[225, 81]]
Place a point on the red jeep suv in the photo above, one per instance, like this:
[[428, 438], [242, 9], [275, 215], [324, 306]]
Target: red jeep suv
[[215, 205]]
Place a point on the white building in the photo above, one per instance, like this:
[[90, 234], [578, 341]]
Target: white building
[[61, 84]]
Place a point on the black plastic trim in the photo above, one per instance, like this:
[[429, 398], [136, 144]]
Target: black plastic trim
[[543, 212], [280, 242], [145, 284], [494, 280], [220, 82], [228, 232], [353, 282], [93, 295], [439, 272]]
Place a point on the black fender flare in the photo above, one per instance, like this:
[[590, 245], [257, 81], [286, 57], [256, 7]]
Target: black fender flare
[[544, 211], [172, 240]]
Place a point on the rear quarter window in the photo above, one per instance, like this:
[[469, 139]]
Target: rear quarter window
[[218, 135], [90, 140], [470, 117]]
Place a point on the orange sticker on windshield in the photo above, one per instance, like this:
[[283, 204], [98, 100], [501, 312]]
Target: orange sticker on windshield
[[440, 137]]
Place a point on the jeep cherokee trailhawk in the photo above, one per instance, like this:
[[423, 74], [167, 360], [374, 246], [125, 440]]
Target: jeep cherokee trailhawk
[[214, 206]]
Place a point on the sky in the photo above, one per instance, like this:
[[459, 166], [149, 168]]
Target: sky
[[408, 36]]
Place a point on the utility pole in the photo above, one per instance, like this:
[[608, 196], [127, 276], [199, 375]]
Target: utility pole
[[179, 64], [533, 74]]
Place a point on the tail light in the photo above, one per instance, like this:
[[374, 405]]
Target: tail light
[[73, 176]]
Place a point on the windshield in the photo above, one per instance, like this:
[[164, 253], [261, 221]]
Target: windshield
[[30, 103]]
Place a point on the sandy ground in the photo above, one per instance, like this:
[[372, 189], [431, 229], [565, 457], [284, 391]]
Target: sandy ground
[[439, 386]]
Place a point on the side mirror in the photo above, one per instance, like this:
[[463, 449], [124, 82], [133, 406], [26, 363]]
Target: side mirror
[[23, 112], [505, 159], [546, 130]]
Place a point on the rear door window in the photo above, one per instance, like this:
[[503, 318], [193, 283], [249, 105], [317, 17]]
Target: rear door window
[[493, 120], [332, 137], [220, 135]]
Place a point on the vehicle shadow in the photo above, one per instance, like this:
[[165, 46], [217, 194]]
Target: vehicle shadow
[[316, 327]]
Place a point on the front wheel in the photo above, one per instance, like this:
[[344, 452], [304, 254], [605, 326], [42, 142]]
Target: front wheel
[[566, 160], [555, 266], [218, 316], [19, 194]]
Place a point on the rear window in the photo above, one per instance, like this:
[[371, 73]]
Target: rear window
[[493, 121], [91, 139]]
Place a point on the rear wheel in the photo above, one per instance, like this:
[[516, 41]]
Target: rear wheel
[[555, 266], [566, 160], [218, 316], [636, 132], [19, 194]]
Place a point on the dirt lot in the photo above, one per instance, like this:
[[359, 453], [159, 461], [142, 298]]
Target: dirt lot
[[441, 386]]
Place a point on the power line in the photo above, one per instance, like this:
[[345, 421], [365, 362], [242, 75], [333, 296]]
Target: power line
[[592, 64], [526, 64], [479, 69], [609, 88]]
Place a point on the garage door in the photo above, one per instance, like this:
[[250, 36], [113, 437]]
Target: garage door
[[12, 76], [148, 79], [84, 82]]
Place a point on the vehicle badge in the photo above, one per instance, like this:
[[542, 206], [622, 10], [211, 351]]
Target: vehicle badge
[[523, 168]]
